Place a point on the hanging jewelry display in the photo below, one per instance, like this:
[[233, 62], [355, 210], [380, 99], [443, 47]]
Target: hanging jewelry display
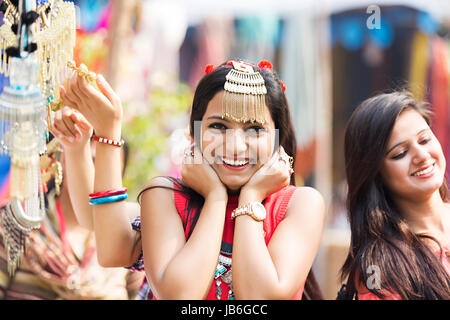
[[35, 48], [55, 43], [54, 34], [51, 167], [224, 274]]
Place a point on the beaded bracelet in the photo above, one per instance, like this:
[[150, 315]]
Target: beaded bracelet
[[107, 193], [108, 141], [108, 199]]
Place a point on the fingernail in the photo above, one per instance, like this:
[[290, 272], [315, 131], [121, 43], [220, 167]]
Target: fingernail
[[101, 77], [58, 115], [66, 109], [83, 125]]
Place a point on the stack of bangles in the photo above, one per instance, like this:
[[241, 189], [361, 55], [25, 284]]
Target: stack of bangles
[[108, 196]]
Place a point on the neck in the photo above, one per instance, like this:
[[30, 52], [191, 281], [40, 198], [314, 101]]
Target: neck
[[233, 192], [431, 216]]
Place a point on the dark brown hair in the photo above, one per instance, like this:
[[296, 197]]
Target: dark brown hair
[[379, 234], [276, 101]]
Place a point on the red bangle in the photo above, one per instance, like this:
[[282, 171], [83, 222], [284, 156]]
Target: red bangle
[[108, 141], [107, 193]]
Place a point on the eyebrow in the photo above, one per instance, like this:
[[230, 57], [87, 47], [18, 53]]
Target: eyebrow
[[402, 142], [227, 120], [218, 118]]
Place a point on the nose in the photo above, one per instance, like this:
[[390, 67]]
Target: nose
[[420, 154], [236, 142]]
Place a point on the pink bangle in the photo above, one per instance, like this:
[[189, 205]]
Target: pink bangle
[[108, 141], [107, 193]]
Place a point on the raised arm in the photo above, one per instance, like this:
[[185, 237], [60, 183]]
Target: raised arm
[[117, 243], [73, 131]]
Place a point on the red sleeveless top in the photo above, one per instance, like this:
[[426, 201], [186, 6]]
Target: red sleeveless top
[[276, 205]]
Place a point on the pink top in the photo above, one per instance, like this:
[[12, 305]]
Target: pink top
[[365, 294]]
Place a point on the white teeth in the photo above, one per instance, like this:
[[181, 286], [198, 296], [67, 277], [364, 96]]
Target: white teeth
[[235, 162], [427, 170]]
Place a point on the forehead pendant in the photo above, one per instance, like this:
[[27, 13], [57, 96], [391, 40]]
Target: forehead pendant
[[244, 97]]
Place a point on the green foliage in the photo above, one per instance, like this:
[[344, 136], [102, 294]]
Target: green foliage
[[147, 135]]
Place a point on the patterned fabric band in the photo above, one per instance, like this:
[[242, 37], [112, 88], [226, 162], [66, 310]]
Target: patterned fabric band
[[108, 141], [108, 199]]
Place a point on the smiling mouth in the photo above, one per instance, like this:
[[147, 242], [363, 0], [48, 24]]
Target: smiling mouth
[[235, 163], [424, 171]]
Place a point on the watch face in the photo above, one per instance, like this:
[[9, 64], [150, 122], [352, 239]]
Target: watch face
[[259, 211]]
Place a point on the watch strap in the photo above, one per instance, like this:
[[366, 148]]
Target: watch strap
[[244, 210]]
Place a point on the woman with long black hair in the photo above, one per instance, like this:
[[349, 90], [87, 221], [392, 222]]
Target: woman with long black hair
[[234, 226], [397, 203]]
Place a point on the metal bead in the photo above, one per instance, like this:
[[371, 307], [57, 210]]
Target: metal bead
[[82, 70]]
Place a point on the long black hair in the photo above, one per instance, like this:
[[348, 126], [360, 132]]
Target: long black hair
[[276, 101], [380, 235]]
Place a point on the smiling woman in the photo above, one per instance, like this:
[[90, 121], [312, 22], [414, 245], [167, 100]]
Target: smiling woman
[[235, 150], [235, 226], [397, 200], [414, 165]]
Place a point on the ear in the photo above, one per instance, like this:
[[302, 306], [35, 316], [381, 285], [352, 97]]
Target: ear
[[187, 135]]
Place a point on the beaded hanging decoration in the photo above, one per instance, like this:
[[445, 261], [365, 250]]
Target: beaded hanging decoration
[[32, 56], [244, 96], [53, 34], [51, 166]]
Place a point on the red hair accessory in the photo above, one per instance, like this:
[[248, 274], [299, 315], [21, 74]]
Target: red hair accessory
[[264, 64], [283, 86], [209, 68]]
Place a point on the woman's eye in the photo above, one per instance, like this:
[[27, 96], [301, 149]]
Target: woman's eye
[[399, 155], [424, 141], [255, 130], [218, 126]]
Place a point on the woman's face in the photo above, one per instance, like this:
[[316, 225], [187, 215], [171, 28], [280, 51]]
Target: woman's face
[[235, 150], [414, 165]]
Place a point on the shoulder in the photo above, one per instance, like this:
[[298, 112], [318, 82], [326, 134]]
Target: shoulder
[[158, 186], [158, 192], [164, 182], [305, 193], [307, 201]]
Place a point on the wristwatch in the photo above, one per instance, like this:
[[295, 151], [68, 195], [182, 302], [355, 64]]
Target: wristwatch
[[255, 210]]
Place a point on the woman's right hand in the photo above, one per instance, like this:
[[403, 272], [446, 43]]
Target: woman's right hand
[[102, 108], [197, 174]]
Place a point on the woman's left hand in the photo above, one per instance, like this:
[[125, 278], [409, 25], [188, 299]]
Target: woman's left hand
[[71, 128], [271, 177]]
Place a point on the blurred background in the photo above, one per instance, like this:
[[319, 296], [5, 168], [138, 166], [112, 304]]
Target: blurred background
[[331, 55]]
